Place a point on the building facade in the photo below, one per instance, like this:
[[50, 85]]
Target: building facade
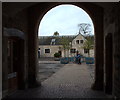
[[51, 45]]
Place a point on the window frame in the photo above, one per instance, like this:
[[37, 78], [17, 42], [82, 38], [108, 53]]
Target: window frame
[[81, 42], [86, 51], [47, 49], [77, 42]]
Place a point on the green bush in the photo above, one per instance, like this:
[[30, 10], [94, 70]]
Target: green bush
[[57, 55]]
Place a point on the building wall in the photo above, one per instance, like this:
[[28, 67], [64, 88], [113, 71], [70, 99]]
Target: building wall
[[79, 46], [15, 21], [66, 53], [111, 23], [116, 50], [4, 68], [53, 50], [92, 53]]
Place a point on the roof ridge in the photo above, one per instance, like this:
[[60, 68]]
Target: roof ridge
[[58, 36]]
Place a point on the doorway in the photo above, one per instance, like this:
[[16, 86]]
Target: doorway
[[15, 57]]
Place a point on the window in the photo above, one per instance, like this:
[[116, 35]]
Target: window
[[47, 50], [53, 42], [72, 50], [86, 50], [77, 41], [81, 41]]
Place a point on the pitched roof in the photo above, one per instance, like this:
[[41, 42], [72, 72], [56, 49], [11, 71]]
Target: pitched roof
[[46, 40]]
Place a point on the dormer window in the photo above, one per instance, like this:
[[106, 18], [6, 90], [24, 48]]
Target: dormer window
[[53, 42]]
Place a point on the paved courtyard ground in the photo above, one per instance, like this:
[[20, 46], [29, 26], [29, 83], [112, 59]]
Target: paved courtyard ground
[[70, 81], [47, 68]]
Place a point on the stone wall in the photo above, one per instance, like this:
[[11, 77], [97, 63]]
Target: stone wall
[[18, 21], [116, 55], [111, 23]]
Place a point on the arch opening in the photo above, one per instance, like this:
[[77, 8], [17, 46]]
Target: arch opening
[[52, 26]]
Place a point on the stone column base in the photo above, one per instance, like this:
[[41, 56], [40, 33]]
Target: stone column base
[[97, 86]]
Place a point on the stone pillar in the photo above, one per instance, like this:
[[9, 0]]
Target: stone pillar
[[99, 51], [32, 59], [108, 77], [32, 51], [116, 48]]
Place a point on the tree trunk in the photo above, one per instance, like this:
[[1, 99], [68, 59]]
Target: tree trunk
[[88, 53]]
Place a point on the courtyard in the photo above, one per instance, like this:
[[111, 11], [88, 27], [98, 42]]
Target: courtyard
[[62, 81]]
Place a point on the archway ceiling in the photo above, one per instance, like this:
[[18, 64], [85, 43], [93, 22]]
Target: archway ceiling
[[10, 8]]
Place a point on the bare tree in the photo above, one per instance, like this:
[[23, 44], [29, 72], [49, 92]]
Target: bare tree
[[84, 28], [88, 44]]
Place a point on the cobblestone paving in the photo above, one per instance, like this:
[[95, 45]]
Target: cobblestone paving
[[71, 81]]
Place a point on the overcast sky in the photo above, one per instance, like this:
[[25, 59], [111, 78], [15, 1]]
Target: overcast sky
[[63, 19]]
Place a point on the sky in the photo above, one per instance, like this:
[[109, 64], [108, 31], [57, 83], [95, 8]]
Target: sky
[[64, 19]]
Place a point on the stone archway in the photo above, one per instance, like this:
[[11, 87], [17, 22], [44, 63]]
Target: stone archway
[[96, 14], [26, 18]]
